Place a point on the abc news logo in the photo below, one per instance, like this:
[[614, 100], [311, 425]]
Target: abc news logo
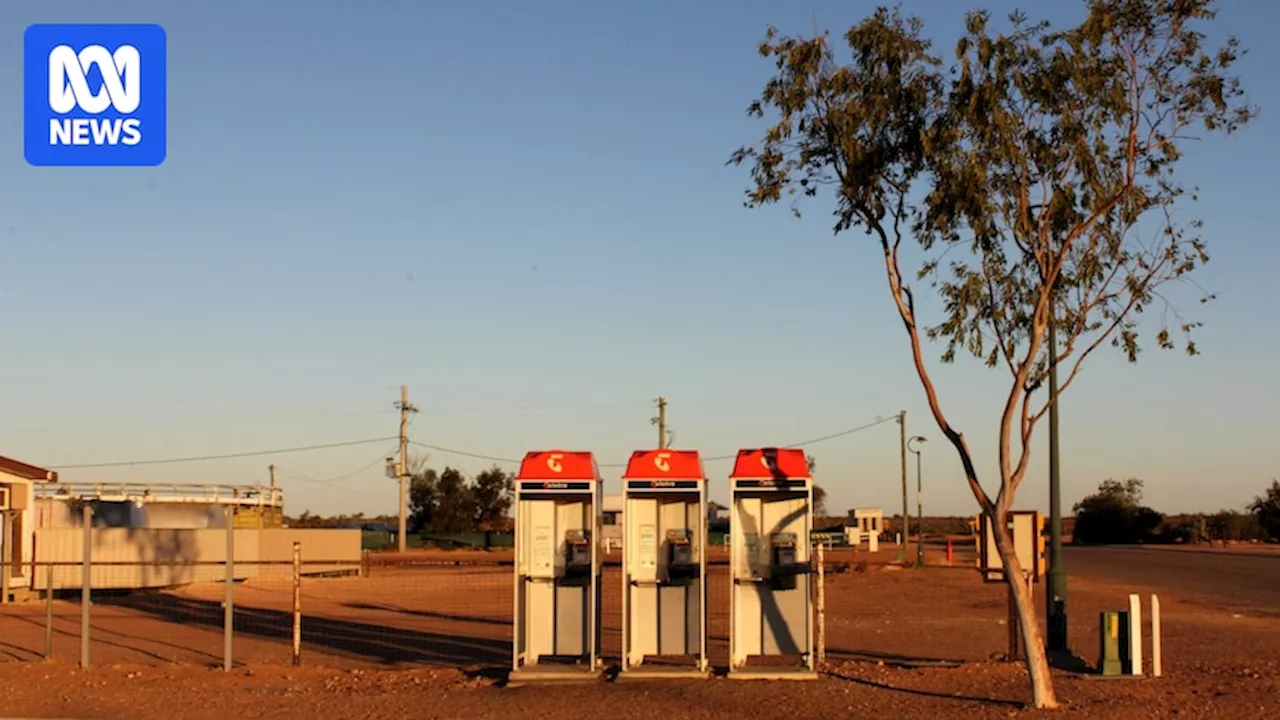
[[69, 90], [95, 95]]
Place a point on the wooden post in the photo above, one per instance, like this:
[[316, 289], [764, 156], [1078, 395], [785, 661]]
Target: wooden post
[[1156, 660], [297, 604], [1012, 621], [48, 611], [228, 605], [86, 520]]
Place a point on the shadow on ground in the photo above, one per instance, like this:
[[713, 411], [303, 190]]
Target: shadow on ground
[[906, 661], [925, 693], [375, 643], [429, 614]]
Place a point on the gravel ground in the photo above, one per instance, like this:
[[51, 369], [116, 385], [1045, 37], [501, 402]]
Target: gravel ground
[[433, 643]]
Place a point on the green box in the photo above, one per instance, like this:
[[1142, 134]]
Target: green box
[[1113, 653]]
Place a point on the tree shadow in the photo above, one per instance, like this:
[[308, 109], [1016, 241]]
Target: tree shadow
[[926, 693], [905, 661], [429, 614], [1070, 662], [377, 643]]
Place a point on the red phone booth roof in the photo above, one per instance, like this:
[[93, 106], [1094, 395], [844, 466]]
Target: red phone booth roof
[[660, 464], [770, 463], [558, 465]]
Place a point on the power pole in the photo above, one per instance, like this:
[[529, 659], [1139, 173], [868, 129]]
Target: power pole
[[272, 470], [906, 520], [661, 422], [402, 470], [1056, 597]]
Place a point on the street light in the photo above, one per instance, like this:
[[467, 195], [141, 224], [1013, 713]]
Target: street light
[[919, 502]]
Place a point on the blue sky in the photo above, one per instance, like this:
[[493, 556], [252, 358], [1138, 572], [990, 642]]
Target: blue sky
[[521, 211]]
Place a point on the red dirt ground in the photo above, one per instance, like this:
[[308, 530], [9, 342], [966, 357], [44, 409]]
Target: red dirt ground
[[433, 641]]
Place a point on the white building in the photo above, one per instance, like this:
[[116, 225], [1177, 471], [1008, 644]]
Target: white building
[[17, 520], [611, 508]]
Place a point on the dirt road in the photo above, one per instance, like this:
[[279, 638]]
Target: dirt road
[[1249, 582]]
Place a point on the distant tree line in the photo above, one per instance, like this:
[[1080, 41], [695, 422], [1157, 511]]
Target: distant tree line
[[309, 520], [447, 501], [1115, 515]]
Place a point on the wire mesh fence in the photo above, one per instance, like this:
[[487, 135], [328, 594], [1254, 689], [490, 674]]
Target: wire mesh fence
[[446, 608], [446, 613]]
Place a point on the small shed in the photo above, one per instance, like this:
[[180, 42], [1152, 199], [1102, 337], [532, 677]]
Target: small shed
[[867, 520]]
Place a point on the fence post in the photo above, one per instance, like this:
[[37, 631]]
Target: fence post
[[4, 556], [86, 563], [822, 604], [228, 617], [297, 603], [48, 610]]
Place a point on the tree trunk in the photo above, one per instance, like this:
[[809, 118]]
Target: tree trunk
[[1042, 694]]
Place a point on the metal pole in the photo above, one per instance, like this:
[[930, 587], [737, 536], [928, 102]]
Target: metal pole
[[1056, 592], [822, 604], [228, 617], [86, 521], [48, 611], [919, 514], [906, 519], [297, 603]]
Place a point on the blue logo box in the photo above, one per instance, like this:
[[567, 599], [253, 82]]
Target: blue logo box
[[94, 95]]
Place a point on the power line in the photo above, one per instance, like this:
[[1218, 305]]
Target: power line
[[477, 456], [329, 480], [226, 456], [438, 448], [712, 458]]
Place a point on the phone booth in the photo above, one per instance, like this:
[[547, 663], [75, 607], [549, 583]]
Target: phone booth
[[664, 576], [556, 628], [771, 613]]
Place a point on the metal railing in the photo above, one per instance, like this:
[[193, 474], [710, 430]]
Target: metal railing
[[256, 495]]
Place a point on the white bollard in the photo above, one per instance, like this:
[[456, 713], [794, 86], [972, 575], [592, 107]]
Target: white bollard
[[1135, 634], [898, 538], [1155, 636], [873, 540]]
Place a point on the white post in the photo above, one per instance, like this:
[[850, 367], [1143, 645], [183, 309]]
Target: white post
[[1135, 634], [822, 605], [1155, 636], [873, 542], [898, 538]]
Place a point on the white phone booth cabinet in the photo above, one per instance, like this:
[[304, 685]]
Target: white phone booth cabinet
[[771, 611], [556, 626], [664, 578]]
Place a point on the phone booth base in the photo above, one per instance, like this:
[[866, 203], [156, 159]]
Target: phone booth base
[[664, 567], [556, 625], [771, 607]]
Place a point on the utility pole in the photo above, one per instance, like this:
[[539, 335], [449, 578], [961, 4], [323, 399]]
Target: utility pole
[[272, 470], [402, 469], [1056, 597], [906, 520], [661, 422]]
